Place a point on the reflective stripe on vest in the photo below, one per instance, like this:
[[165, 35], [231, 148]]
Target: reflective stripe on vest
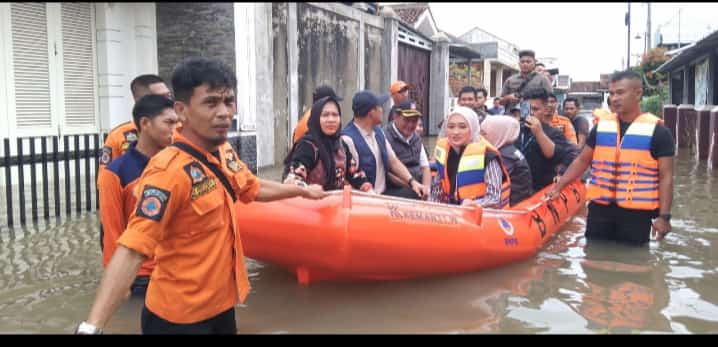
[[629, 176], [470, 173]]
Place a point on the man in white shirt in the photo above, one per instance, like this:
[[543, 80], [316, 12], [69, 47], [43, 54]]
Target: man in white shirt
[[368, 144]]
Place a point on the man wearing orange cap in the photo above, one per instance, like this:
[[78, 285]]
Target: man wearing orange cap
[[399, 91]]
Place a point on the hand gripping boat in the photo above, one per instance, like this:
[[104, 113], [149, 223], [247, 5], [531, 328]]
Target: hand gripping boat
[[351, 235]]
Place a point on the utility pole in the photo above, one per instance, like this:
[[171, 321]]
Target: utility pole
[[628, 37], [679, 28], [648, 29]]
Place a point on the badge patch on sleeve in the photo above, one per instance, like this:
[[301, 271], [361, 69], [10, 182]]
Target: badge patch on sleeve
[[106, 155], [153, 203]]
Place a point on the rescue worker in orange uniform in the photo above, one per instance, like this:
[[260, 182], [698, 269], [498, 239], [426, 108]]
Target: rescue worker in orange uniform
[[563, 124], [185, 217], [155, 118], [120, 137], [399, 92], [631, 158], [303, 124], [470, 170]]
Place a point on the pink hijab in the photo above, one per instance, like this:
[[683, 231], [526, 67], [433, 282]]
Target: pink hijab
[[500, 130]]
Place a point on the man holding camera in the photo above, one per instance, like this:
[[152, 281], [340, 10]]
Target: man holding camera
[[512, 91], [545, 148]]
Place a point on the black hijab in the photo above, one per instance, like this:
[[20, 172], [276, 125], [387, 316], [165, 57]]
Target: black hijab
[[327, 144]]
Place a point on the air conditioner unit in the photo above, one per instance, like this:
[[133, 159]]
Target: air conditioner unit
[[562, 82]]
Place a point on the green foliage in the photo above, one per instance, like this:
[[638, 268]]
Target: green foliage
[[654, 103], [654, 83]]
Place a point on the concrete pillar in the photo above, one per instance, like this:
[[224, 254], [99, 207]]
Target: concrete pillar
[[292, 67], [686, 126], [145, 30], [686, 86], [253, 28], [390, 51], [499, 80], [703, 125], [126, 47], [469, 73], [670, 118], [439, 82], [713, 156], [487, 74]]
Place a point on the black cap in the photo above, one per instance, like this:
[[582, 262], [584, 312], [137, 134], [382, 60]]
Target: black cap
[[324, 91], [407, 108], [527, 52], [364, 101]]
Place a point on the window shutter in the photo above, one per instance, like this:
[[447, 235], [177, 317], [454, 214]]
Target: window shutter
[[78, 65], [31, 65]]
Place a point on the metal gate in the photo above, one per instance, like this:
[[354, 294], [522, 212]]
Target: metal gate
[[414, 70]]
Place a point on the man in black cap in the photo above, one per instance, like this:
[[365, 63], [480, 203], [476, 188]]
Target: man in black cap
[[526, 79], [367, 142], [406, 143], [302, 125]]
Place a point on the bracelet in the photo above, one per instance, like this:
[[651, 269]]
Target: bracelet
[[410, 180]]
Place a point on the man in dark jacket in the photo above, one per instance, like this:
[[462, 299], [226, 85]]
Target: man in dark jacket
[[406, 143], [546, 149]]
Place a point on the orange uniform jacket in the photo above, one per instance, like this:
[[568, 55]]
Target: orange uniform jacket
[[185, 219], [115, 185], [302, 126], [117, 142], [566, 127]]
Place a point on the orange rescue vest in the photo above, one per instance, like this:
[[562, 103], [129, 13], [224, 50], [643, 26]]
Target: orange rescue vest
[[470, 174], [623, 170]]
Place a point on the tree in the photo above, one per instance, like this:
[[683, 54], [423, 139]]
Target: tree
[[655, 84]]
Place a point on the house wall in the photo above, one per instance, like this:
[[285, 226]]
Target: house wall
[[212, 34], [315, 44]]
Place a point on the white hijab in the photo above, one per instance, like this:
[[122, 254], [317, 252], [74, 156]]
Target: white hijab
[[471, 118]]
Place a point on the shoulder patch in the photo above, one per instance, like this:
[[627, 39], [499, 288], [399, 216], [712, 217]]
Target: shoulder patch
[[153, 202], [232, 160], [195, 171], [105, 155], [201, 183], [130, 136]]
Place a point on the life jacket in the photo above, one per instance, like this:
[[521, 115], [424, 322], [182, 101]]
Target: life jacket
[[623, 170], [366, 156], [470, 173]]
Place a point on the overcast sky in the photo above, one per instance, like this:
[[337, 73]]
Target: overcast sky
[[586, 38]]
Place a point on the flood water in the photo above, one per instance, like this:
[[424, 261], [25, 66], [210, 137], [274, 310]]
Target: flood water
[[49, 274]]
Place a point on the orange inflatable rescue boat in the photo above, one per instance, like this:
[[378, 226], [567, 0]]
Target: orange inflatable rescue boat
[[352, 235]]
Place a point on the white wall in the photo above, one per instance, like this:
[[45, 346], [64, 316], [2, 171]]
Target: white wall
[[126, 48]]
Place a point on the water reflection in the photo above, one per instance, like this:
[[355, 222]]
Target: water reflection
[[49, 274]]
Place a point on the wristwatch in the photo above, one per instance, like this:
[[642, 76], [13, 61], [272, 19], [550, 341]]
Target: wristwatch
[[86, 328], [410, 180], [666, 216]]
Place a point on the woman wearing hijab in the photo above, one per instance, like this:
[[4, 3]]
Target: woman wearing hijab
[[470, 170], [502, 132], [320, 157]]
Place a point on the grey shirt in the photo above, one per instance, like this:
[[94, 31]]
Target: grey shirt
[[513, 83]]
